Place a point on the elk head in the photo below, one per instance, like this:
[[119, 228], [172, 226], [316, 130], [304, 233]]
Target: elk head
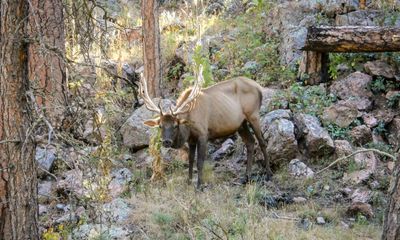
[[174, 130]]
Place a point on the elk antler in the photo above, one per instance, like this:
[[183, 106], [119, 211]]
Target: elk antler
[[188, 103], [143, 93]]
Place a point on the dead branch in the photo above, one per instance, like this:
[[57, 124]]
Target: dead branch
[[354, 153]]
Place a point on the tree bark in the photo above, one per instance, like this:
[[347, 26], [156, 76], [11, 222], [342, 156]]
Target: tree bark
[[391, 225], [151, 46], [46, 57], [313, 67], [353, 39], [18, 180]]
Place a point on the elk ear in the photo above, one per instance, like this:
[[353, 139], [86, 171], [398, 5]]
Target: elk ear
[[183, 121], [152, 122]]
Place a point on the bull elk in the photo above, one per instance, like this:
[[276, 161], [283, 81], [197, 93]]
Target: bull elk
[[214, 112]]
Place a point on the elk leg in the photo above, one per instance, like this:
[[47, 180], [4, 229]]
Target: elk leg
[[201, 155], [192, 153], [255, 125], [248, 139]]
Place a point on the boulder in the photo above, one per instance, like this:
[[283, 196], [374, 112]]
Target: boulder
[[226, 149], [361, 195], [71, 182], [117, 211], [45, 158], [361, 135], [135, 134], [272, 98], [343, 148], [267, 119], [383, 115], [394, 133], [299, 169], [315, 138], [341, 113], [355, 85], [380, 68], [367, 162], [45, 190], [364, 18], [370, 120], [100, 231], [281, 141], [119, 181]]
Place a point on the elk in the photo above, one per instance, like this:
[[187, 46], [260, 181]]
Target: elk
[[214, 112]]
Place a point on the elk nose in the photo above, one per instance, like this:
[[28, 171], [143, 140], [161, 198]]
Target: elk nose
[[167, 143]]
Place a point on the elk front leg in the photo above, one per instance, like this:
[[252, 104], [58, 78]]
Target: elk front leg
[[201, 155], [192, 153]]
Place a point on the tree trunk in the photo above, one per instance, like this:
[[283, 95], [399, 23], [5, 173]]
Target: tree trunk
[[313, 67], [46, 57], [391, 225], [353, 39], [18, 180], [151, 46]]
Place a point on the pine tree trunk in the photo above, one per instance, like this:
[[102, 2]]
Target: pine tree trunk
[[46, 57], [391, 225], [151, 46], [18, 180]]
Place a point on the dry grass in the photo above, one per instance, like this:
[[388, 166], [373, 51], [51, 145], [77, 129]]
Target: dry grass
[[175, 210]]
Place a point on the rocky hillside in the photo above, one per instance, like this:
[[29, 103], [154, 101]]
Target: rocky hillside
[[95, 179]]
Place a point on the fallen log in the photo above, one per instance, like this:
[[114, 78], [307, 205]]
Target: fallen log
[[352, 39]]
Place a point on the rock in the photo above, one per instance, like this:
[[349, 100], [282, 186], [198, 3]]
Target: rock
[[305, 224], [45, 158], [97, 231], [368, 164], [359, 207], [370, 120], [67, 218], [94, 133], [71, 182], [226, 149], [272, 98], [347, 191], [135, 134], [299, 200], [390, 166], [142, 158], [61, 207], [299, 169], [361, 135], [215, 7], [316, 139], [250, 67], [45, 190], [363, 18], [394, 133], [43, 209], [341, 113], [116, 211], [320, 221], [393, 99], [119, 181], [355, 85], [361, 195], [384, 116], [281, 141], [380, 68], [342, 148], [267, 120]]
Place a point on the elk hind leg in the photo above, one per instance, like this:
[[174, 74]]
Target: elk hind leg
[[254, 121], [248, 139]]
